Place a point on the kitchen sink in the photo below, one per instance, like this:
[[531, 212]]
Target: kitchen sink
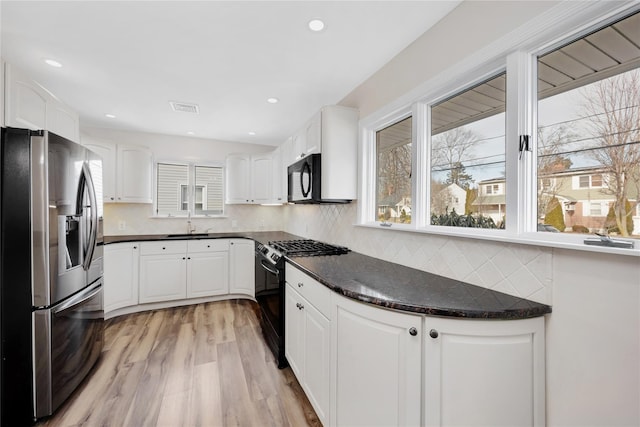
[[186, 235]]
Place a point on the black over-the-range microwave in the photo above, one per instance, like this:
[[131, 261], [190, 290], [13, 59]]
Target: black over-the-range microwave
[[305, 181]]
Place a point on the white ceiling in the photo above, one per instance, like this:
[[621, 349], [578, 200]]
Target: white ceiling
[[131, 58]]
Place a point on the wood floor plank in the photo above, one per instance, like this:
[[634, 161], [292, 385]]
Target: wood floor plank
[[204, 365]]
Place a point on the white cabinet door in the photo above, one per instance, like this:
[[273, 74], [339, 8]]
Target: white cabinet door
[[278, 176], [25, 101], [134, 174], [484, 373], [294, 331], [261, 178], [313, 134], [242, 274], [163, 277], [316, 353], [120, 275], [108, 153], [377, 360], [207, 274], [299, 145], [62, 121], [238, 179]]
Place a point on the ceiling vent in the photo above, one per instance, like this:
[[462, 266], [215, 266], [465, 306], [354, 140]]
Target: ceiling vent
[[184, 107]]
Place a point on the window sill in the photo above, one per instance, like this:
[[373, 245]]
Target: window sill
[[572, 242], [187, 217]]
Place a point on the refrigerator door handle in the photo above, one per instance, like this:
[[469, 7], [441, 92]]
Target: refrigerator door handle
[[86, 181], [78, 299]]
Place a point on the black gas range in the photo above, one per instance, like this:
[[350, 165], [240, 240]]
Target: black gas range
[[270, 284]]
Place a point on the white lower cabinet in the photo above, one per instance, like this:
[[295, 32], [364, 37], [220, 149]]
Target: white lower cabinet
[[377, 365], [120, 275], [171, 270], [242, 274], [308, 338], [163, 271], [484, 372], [207, 268]]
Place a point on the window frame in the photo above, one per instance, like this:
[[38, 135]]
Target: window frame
[[518, 58], [191, 184]]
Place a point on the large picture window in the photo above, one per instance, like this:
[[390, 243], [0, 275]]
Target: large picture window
[[468, 185], [589, 132], [539, 144]]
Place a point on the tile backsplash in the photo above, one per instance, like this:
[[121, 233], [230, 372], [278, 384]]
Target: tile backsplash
[[520, 270], [138, 219]]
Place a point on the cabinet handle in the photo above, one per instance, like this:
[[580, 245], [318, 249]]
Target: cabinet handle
[[413, 332], [433, 333], [300, 306], [300, 284]]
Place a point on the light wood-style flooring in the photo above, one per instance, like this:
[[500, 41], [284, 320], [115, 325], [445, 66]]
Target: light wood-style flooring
[[200, 365]]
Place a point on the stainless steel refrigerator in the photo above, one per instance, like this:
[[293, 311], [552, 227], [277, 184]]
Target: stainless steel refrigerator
[[51, 304]]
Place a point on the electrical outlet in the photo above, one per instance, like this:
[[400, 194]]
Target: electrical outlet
[[122, 225]]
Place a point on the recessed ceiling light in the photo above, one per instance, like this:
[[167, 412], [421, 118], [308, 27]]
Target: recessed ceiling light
[[191, 132], [110, 116], [272, 100], [252, 133], [316, 25], [53, 63]]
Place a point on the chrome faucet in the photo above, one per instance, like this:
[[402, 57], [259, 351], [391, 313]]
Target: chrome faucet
[[190, 227]]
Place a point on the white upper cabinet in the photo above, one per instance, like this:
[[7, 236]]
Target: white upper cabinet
[[29, 105], [249, 179], [279, 177], [134, 171], [127, 172]]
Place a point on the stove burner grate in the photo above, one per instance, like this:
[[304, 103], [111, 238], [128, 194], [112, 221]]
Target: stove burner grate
[[307, 247]]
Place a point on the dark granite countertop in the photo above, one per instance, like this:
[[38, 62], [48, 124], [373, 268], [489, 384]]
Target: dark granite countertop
[[387, 284]]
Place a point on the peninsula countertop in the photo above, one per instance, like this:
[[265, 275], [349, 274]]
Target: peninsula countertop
[[386, 284]]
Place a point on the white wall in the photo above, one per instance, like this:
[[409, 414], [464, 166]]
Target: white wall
[[593, 334], [139, 217]]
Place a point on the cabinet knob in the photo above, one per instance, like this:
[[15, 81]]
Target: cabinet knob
[[413, 332], [188, 257], [163, 248], [300, 284], [208, 246], [433, 333], [300, 306], [112, 198], [183, 258], [135, 247]]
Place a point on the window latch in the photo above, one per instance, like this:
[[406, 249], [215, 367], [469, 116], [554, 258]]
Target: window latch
[[524, 144]]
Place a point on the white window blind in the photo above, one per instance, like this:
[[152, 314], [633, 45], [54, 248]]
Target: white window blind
[[183, 188], [210, 179], [170, 178]]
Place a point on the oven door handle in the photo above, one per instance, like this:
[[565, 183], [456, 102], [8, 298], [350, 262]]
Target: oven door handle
[[269, 268]]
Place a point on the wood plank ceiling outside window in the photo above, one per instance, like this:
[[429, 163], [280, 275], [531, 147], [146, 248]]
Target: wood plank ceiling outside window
[[604, 53]]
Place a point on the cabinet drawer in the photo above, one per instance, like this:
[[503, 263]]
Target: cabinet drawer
[[207, 245], [163, 247], [312, 290]]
